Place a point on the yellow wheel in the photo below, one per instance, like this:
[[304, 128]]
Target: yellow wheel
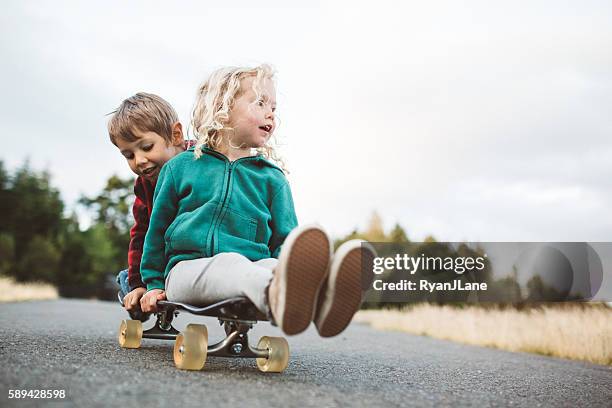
[[190, 347], [130, 333], [278, 357]]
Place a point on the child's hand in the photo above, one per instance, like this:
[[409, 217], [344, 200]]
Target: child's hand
[[131, 299], [148, 303]]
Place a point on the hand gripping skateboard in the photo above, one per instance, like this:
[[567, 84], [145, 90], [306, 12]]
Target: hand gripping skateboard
[[236, 315]]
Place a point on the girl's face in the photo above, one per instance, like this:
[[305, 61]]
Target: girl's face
[[253, 119]]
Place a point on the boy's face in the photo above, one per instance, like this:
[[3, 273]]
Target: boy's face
[[253, 120], [149, 152]]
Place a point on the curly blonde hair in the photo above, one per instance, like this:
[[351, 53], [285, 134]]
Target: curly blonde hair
[[214, 102]]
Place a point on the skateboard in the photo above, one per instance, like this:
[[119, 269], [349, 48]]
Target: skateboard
[[236, 315]]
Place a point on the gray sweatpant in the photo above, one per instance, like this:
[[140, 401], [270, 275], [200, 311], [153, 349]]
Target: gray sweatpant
[[226, 275]]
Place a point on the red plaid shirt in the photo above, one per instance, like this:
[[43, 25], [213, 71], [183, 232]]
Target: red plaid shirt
[[143, 205]]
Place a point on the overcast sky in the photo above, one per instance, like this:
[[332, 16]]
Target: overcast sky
[[483, 121]]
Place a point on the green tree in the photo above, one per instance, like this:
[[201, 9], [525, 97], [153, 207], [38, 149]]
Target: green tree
[[539, 291], [31, 216], [7, 253], [6, 203], [89, 260], [111, 209], [36, 209], [505, 290], [38, 242], [398, 235], [39, 262], [112, 206]]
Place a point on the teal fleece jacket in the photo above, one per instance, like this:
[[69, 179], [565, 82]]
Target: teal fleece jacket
[[206, 206]]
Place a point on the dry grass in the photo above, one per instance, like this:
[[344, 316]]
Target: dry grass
[[11, 291], [581, 332]]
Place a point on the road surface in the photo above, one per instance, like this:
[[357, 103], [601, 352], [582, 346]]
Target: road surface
[[71, 345]]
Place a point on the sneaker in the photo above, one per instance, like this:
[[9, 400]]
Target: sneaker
[[135, 314], [139, 315], [302, 267], [341, 295]]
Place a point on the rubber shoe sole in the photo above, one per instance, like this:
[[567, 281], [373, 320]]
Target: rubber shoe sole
[[302, 268], [346, 284]]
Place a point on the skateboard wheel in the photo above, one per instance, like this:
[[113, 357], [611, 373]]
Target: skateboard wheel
[[191, 347], [130, 333], [278, 357]]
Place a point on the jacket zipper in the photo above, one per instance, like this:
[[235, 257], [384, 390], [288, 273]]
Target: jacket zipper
[[217, 223]]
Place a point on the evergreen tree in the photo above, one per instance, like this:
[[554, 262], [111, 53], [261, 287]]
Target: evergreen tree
[[37, 209], [398, 235]]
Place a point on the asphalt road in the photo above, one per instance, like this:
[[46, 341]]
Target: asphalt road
[[71, 345]]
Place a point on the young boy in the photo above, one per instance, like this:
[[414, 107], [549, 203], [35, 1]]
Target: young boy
[[147, 132]]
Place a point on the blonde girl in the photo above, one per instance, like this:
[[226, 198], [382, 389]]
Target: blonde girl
[[224, 225]]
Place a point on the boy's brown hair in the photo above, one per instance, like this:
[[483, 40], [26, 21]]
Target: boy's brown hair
[[145, 112]]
